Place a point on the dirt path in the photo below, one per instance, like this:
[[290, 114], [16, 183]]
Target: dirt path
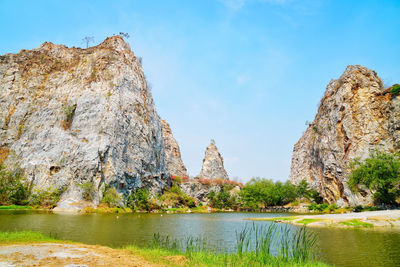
[[366, 219], [71, 255]]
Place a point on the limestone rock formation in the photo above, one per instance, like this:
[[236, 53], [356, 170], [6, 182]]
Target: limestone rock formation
[[213, 164], [71, 116], [173, 153], [199, 191], [356, 115]]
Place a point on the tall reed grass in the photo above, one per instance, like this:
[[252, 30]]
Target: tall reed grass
[[256, 245]]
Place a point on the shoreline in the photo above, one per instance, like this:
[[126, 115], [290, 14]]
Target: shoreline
[[365, 219], [35, 249]]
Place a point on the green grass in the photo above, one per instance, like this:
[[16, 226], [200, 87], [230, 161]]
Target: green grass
[[294, 248], [357, 223], [254, 247], [308, 220], [289, 218], [15, 207], [24, 236]]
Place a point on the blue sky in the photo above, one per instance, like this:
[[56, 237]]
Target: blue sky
[[247, 73]]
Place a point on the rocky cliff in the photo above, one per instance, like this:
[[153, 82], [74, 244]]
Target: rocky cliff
[[356, 115], [71, 116], [173, 153], [213, 164]]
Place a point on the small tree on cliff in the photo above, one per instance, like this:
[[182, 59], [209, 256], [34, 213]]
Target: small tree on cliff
[[380, 173], [87, 40]]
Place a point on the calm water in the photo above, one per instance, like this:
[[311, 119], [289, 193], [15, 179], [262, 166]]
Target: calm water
[[341, 247]]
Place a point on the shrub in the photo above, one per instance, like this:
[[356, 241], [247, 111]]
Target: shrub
[[263, 192], [358, 208], [312, 206], [139, 199], [314, 195], [13, 190], [395, 90], [380, 173], [88, 190], [69, 112], [111, 197], [46, 197], [333, 207]]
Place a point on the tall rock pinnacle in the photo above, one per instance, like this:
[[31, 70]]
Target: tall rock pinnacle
[[174, 161], [213, 164]]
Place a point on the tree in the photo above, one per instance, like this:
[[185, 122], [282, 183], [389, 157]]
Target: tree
[[87, 40], [260, 193], [124, 34], [302, 189], [380, 173]]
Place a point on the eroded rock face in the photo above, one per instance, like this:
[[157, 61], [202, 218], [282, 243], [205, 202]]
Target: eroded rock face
[[173, 153], [356, 115], [213, 164], [71, 116], [199, 191]]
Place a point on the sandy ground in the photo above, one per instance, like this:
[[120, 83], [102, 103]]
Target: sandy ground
[[68, 255], [381, 218]]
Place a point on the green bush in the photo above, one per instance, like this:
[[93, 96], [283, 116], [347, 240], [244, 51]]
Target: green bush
[[46, 198], [358, 208], [261, 193], [139, 199], [380, 173], [13, 190], [333, 207], [111, 197], [221, 200], [395, 89], [88, 190]]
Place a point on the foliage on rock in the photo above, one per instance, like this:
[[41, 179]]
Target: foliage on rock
[[381, 173]]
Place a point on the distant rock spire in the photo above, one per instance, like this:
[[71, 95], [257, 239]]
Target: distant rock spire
[[213, 164], [172, 152]]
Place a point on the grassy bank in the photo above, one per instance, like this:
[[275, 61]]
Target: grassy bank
[[16, 207], [255, 246], [25, 236]]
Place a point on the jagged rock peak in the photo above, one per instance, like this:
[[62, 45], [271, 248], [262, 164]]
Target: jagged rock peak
[[213, 164], [173, 153], [356, 115], [74, 116]]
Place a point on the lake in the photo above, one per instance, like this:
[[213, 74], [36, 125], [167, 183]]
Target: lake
[[340, 247]]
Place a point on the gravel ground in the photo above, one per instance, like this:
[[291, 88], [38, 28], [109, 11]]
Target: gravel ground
[[71, 255], [371, 219]]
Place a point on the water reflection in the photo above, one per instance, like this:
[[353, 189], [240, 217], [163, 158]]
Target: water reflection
[[341, 247]]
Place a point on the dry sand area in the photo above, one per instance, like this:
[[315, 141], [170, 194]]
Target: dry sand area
[[71, 255], [367, 219]]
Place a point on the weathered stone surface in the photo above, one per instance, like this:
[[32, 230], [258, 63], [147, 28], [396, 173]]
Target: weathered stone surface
[[213, 164], [199, 191], [356, 115], [173, 153], [71, 116]]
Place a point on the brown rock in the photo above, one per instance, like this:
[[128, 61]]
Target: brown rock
[[173, 154], [356, 115]]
